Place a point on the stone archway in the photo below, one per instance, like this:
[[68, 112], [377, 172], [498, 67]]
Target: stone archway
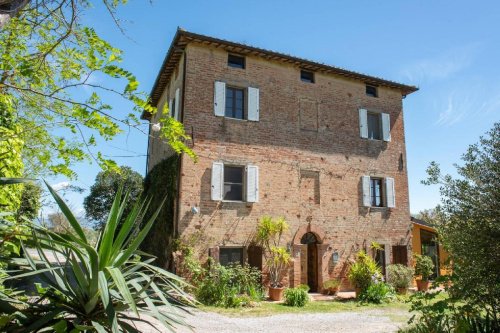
[[309, 239]]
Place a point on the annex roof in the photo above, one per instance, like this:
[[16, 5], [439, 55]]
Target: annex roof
[[182, 38]]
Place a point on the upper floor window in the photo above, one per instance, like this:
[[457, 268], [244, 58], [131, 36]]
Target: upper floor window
[[235, 182], [306, 76], [371, 91], [235, 103], [378, 192], [374, 125], [235, 61]]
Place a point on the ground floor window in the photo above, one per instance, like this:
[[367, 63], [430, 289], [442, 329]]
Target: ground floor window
[[379, 256], [230, 255], [430, 248]]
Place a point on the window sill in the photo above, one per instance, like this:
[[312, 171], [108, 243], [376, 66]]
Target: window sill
[[234, 201], [237, 119]]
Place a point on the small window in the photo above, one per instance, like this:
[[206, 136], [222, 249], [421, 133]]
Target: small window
[[374, 126], [307, 76], [376, 195], [235, 61], [231, 255], [233, 183], [172, 112], [379, 257], [371, 91], [235, 103]]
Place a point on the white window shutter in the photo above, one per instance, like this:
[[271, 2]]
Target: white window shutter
[[217, 181], [390, 193], [170, 108], [252, 183], [386, 126], [363, 123], [253, 104], [220, 98], [177, 99], [366, 191]]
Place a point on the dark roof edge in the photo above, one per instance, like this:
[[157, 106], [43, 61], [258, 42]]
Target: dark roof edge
[[422, 222], [405, 89]]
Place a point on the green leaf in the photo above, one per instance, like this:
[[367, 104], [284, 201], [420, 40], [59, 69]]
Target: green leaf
[[122, 287]]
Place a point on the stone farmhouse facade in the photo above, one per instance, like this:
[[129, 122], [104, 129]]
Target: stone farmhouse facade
[[282, 136]]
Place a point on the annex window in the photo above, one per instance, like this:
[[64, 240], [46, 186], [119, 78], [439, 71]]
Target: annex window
[[371, 91], [236, 102], [378, 192], [430, 248], [374, 125], [235, 61], [231, 255], [306, 76], [234, 182]]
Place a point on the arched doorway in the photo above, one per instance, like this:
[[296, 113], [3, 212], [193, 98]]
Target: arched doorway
[[311, 241]]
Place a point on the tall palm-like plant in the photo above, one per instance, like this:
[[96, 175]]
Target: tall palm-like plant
[[103, 288]]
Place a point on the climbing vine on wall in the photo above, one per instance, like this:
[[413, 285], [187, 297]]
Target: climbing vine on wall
[[161, 181]]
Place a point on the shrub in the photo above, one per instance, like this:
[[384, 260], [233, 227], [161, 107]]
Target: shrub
[[376, 293], [297, 296], [399, 276], [230, 286], [331, 286], [424, 267], [363, 271]]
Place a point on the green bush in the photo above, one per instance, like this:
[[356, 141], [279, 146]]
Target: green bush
[[399, 276], [297, 296], [230, 286], [364, 271], [377, 293], [424, 267]]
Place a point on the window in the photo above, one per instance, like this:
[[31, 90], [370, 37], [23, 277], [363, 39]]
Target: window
[[307, 76], [374, 128], [235, 102], [379, 257], [230, 255], [235, 61], [430, 248], [233, 183], [371, 91], [376, 192]]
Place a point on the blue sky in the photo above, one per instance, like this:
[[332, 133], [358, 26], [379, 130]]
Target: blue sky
[[449, 49]]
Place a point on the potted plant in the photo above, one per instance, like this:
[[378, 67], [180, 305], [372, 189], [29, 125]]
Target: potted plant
[[424, 267], [363, 272], [399, 277], [330, 287], [277, 257]]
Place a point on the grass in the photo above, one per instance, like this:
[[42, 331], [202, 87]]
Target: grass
[[269, 308]]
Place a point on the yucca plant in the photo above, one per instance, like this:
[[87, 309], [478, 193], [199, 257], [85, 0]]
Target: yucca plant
[[104, 288]]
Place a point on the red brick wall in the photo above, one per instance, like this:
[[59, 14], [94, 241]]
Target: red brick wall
[[281, 145]]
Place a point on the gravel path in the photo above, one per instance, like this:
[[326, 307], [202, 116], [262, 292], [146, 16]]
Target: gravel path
[[373, 321]]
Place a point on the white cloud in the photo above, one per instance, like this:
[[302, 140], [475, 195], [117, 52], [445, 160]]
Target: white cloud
[[60, 186], [443, 65]]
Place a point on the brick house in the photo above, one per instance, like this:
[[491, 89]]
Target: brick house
[[282, 136]]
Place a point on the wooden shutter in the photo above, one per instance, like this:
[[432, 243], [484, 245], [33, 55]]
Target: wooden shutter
[[363, 123], [254, 254], [365, 180], [400, 255], [170, 108], [386, 127], [252, 183], [213, 252], [390, 195], [220, 98], [217, 181], [253, 104], [177, 98]]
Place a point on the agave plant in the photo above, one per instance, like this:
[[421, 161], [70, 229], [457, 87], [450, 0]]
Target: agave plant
[[107, 287]]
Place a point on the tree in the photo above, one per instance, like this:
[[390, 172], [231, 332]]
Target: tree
[[468, 220], [30, 201], [98, 203], [51, 108]]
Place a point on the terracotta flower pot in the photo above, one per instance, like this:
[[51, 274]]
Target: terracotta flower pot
[[276, 294], [422, 285], [402, 290]]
